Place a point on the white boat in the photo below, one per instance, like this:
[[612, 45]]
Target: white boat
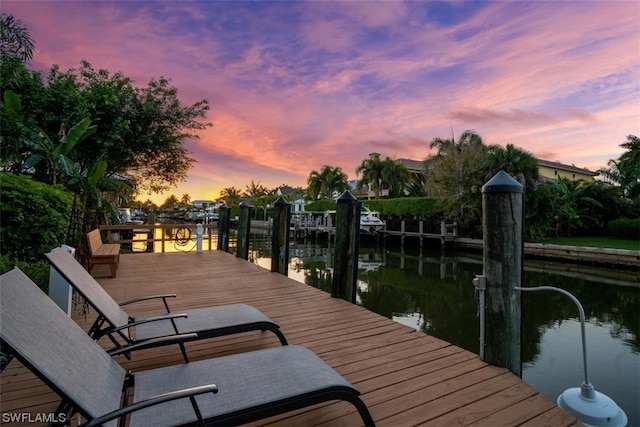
[[370, 221]]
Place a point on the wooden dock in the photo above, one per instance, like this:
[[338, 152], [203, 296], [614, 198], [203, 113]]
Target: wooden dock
[[406, 377]]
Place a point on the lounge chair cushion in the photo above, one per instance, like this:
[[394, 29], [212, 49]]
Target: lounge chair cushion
[[206, 322], [75, 273], [247, 380], [82, 372]]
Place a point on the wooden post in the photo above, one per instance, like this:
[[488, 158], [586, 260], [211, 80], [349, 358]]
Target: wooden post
[[224, 220], [244, 228], [345, 257], [280, 237], [502, 222]]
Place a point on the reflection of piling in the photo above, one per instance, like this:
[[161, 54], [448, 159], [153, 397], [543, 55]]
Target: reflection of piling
[[280, 237], [502, 222], [244, 228], [345, 259], [224, 221]]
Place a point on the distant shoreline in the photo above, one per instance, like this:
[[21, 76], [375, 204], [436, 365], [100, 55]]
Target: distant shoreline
[[579, 254]]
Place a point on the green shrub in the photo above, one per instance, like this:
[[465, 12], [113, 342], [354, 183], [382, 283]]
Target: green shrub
[[321, 206], [405, 207], [34, 217], [625, 228], [37, 271]]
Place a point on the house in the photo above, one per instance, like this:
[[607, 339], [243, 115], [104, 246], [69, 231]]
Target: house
[[548, 171], [294, 196], [551, 171]]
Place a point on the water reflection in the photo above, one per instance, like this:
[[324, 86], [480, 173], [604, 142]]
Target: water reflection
[[431, 293]]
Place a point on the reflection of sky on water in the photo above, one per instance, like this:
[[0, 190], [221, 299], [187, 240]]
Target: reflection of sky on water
[[412, 320], [428, 291], [613, 366]]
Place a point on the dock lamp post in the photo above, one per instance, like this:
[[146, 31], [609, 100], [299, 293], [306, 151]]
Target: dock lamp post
[[585, 403]]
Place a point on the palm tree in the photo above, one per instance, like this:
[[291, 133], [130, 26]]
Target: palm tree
[[185, 199], [626, 170], [326, 182], [255, 190], [517, 162], [396, 176], [231, 196], [467, 138], [371, 170], [314, 183], [334, 181], [16, 47]]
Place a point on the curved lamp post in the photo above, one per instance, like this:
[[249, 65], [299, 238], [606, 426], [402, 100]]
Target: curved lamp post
[[585, 403]]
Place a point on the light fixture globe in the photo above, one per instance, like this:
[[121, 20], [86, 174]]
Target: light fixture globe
[[592, 407], [587, 405]]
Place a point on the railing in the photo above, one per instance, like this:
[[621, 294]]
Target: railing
[[178, 234]]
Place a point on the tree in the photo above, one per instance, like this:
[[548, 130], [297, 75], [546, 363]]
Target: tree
[[16, 48], [170, 202], [518, 163], [326, 182], [185, 199], [255, 190], [456, 174], [231, 196], [396, 176], [142, 129], [626, 170], [371, 170]]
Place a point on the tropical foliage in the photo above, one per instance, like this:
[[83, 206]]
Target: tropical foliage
[[327, 183], [231, 196], [625, 171], [456, 174], [34, 216], [16, 47], [383, 174]]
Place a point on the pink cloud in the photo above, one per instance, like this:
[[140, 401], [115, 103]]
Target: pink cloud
[[296, 85]]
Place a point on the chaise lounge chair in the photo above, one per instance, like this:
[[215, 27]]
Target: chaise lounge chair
[[114, 322], [229, 390]]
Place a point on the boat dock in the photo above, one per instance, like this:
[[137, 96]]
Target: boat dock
[[406, 377]]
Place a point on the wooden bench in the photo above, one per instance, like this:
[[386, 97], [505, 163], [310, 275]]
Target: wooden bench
[[102, 253]]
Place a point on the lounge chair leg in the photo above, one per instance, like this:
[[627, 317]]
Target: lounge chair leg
[[184, 352]]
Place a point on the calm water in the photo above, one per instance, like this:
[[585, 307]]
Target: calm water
[[434, 294]]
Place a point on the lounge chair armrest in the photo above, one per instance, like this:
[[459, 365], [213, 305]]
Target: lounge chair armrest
[[150, 297], [154, 342], [168, 316], [152, 401]]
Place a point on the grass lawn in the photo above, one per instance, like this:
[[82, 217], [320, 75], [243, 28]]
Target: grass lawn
[[597, 242]]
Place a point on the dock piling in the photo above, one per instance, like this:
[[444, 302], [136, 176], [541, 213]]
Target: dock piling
[[280, 237], [502, 223], [224, 220], [244, 230], [345, 257]]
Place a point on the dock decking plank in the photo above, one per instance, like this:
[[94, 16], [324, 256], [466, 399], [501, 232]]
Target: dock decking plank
[[406, 377]]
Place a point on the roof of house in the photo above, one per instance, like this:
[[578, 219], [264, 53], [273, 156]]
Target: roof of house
[[286, 190], [412, 165], [569, 168]]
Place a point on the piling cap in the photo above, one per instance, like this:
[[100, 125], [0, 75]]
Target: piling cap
[[502, 182], [346, 197]]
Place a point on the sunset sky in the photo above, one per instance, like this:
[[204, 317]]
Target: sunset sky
[[295, 85]]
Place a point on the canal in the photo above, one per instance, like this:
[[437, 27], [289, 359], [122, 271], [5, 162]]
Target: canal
[[433, 293]]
